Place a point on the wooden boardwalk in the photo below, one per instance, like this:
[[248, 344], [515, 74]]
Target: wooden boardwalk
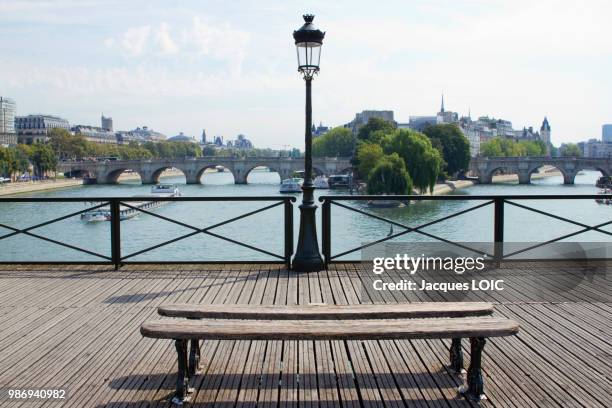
[[77, 328]]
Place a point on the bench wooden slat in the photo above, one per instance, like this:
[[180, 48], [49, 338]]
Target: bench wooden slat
[[328, 312], [328, 330]]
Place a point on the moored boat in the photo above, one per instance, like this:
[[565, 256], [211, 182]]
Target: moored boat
[[292, 185], [126, 212], [321, 182], [339, 181]]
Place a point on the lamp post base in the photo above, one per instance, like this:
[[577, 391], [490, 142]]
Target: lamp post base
[[307, 257]]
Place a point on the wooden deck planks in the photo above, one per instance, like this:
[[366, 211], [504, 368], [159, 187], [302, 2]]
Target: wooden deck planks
[[77, 327]]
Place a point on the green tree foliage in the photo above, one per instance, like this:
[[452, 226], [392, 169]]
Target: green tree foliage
[[422, 160], [390, 177], [570, 149], [453, 145], [43, 159], [502, 147], [375, 130], [209, 150], [338, 142], [368, 156]]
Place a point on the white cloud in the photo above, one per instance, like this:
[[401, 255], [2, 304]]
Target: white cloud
[[164, 40], [221, 41], [135, 40], [109, 42]]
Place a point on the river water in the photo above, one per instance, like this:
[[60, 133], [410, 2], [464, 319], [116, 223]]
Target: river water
[[265, 230]]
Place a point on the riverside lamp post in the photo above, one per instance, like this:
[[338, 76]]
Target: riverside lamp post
[[308, 42]]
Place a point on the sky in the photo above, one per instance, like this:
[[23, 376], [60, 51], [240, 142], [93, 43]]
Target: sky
[[230, 66]]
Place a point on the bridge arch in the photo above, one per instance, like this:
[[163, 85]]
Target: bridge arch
[[488, 176], [112, 177], [282, 174], [154, 175], [78, 173], [199, 173], [539, 165]]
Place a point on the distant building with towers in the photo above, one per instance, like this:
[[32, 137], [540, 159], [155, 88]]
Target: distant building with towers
[[106, 123], [606, 133], [8, 137]]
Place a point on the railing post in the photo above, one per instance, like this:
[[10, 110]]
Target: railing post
[[115, 224], [326, 230], [288, 232], [498, 233]]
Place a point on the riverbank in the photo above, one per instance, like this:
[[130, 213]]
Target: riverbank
[[34, 186], [452, 185]]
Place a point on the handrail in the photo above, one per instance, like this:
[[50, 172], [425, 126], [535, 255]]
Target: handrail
[[143, 198], [498, 202], [115, 203], [463, 197]]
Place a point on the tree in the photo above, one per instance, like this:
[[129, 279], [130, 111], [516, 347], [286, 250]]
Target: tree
[[570, 149], [375, 129], [422, 160], [43, 159], [503, 147], [453, 145], [390, 177], [208, 151], [368, 156], [337, 142]]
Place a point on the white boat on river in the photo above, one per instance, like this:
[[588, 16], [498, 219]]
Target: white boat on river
[[125, 212], [292, 185]]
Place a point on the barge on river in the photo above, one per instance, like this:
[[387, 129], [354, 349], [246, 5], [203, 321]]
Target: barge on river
[[125, 212]]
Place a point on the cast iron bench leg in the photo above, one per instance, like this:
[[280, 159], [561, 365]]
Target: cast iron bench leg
[[456, 356], [194, 357], [182, 380], [475, 385]]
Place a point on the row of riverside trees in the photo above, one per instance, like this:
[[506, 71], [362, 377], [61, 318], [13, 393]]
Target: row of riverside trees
[[394, 161], [68, 146], [43, 158], [18, 160], [503, 147]]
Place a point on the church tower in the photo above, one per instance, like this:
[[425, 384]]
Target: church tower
[[203, 136], [545, 134]]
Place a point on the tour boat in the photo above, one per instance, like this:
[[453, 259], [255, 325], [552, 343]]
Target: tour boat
[[321, 182], [604, 191], [339, 181], [385, 203], [125, 212], [292, 185]]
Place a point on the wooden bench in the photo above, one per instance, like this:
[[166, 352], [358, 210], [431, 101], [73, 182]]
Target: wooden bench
[[323, 322]]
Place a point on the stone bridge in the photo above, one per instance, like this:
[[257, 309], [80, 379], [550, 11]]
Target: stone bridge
[[108, 172], [485, 167]]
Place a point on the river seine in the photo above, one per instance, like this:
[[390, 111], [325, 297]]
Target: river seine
[[265, 230]]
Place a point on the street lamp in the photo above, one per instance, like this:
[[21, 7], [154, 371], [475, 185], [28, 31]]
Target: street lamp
[[308, 42]]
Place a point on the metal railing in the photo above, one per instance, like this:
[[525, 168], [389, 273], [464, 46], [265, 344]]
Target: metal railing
[[117, 258], [498, 203]]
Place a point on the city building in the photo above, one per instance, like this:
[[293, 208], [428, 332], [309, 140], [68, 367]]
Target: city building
[[606, 133], [319, 130], [241, 142], [445, 116], [8, 137], [203, 140], [218, 141], [35, 128], [95, 134], [7, 115], [106, 123], [181, 137], [597, 149], [418, 123], [139, 135], [363, 117]]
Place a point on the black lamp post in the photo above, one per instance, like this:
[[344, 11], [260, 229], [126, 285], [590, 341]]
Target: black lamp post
[[308, 42]]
